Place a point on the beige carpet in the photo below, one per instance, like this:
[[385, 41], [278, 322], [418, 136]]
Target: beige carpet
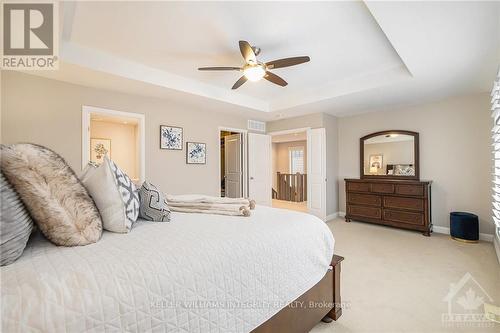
[[395, 280], [297, 206]]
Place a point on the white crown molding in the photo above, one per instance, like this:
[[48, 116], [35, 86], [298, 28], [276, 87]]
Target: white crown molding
[[382, 77], [418, 75], [75, 54], [107, 63]]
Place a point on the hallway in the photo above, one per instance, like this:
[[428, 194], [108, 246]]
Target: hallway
[[297, 206]]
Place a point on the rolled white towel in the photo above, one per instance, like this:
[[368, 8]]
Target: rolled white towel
[[199, 198]]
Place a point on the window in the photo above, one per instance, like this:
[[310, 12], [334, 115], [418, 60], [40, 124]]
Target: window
[[296, 158], [495, 108]]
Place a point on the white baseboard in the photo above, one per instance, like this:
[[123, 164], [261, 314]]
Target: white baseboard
[[331, 216], [446, 231], [496, 244], [341, 214]]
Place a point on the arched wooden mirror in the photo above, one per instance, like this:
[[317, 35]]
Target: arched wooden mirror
[[390, 155]]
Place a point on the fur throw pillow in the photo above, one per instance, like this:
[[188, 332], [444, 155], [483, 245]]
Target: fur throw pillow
[[52, 193]]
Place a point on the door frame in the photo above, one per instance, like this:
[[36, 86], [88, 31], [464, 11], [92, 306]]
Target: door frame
[[244, 153], [290, 131], [141, 134], [309, 156], [323, 214]]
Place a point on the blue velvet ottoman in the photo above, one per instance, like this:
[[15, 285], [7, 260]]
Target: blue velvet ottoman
[[464, 227]]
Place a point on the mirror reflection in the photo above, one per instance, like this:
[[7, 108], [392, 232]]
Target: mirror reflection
[[390, 154]]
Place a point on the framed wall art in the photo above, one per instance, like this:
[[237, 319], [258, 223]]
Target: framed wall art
[[99, 147], [196, 153], [171, 137]]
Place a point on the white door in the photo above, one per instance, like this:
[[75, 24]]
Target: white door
[[259, 168], [316, 172], [233, 166]]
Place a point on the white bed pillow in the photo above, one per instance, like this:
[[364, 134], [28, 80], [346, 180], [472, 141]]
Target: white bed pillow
[[114, 194]]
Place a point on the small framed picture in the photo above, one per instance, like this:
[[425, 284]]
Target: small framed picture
[[170, 137], [99, 148], [196, 153], [376, 162]]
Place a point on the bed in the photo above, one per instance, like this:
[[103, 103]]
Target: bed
[[198, 273]]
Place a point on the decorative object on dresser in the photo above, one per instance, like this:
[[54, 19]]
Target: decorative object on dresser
[[392, 194]]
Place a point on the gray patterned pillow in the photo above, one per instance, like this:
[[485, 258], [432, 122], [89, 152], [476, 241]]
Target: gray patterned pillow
[[128, 191], [15, 224], [153, 204]]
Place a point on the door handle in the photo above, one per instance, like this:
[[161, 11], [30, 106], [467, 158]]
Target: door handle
[[251, 178]]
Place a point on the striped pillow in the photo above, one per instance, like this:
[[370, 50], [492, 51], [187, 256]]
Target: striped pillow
[[15, 224]]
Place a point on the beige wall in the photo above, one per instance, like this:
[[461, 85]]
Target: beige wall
[[282, 156], [454, 152], [314, 120], [454, 139], [123, 144], [399, 152], [48, 112]]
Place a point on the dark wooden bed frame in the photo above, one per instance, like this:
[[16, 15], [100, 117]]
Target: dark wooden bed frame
[[321, 302]]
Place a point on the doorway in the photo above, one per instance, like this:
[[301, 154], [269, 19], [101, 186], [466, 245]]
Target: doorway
[[232, 163], [118, 135], [289, 169], [302, 187]]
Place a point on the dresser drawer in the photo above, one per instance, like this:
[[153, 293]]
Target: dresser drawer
[[404, 189], [365, 211], [364, 199], [404, 203], [383, 188], [358, 187], [404, 217]]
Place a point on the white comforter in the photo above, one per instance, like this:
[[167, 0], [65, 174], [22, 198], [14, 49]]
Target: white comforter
[[198, 273]]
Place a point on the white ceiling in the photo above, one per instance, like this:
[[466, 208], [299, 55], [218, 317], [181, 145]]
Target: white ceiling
[[364, 56]]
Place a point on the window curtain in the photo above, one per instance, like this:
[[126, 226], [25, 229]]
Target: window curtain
[[495, 112]]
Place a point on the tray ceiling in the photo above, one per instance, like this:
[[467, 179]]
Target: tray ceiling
[[363, 55]]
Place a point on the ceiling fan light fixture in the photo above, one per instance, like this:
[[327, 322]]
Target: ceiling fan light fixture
[[254, 72]]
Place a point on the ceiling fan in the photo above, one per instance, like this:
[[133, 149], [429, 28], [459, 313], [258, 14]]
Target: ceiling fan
[[255, 70]]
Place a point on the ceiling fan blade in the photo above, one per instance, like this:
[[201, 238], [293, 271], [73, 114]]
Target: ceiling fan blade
[[286, 62], [238, 83], [247, 52], [275, 79], [219, 69]]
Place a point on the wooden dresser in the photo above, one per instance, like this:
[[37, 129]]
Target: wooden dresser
[[398, 203]]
